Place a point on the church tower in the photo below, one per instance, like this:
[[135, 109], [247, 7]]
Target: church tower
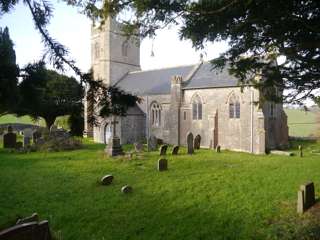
[[113, 55]]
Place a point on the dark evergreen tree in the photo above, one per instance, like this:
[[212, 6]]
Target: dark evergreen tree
[[9, 72], [48, 94]]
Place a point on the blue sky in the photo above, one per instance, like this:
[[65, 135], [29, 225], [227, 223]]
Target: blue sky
[[72, 29]]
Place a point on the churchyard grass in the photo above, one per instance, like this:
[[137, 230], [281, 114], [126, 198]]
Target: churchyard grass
[[207, 195]]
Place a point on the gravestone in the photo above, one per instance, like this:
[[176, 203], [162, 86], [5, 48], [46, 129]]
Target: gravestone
[[300, 151], [9, 139], [36, 136], [308, 195], [162, 164], [126, 189], [106, 180], [175, 150], [218, 149], [152, 143], [163, 150], [197, 141], [114, 147], [27, 231], [138, 147], [190, 143], [300, 202], [27, 136]]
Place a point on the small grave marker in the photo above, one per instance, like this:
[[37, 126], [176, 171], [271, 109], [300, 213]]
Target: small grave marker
[[162, 164], [175, 150], [126, 189], [107, 180], [163, 150]]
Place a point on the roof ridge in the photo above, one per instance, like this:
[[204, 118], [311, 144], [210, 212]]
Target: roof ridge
[[164, 68]]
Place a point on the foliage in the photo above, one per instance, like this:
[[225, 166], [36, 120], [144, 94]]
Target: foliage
[[58, 55], [258, 32], [9, 72], [76, 122], [47, 94], [205, 196]]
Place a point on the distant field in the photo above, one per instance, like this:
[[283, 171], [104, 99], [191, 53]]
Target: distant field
[[61, 121], [302, 123], [13, 119]]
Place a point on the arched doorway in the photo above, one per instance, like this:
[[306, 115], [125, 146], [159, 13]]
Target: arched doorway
[[107, 132]]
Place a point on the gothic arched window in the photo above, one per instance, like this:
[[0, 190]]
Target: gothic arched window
[[155, 114], [234, 107], [196, 108], [125, 48]]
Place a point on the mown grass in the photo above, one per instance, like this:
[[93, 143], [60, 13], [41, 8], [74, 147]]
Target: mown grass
[[205, 196]]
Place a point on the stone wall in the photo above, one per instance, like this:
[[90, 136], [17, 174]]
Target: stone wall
[[216, 127]]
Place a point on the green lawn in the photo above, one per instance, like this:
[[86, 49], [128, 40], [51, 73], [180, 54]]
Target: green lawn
[[205, 196], [302, 123]]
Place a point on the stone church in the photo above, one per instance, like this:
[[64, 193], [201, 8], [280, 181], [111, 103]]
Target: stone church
[[180, 100]]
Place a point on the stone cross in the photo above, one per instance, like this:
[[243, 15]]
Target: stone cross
[[114, 124]]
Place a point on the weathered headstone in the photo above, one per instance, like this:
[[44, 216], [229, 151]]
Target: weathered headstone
[[163, 150], [175, 150], [309, 196], [138, 147], [190, 143], [27, 136], [114, 147], [107, 180], [36, 136], [27, 231], [162, 164], [218, 149], [9, 139], [126, 189], [300, 202], [197, 141], [152, 143], [300, 151]]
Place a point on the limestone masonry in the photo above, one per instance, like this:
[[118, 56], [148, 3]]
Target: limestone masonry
[[184, 99]]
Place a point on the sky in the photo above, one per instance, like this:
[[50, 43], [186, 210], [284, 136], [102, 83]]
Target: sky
[[72, 29]]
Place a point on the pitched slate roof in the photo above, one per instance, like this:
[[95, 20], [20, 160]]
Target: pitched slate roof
[[159, 81], [207, 77]]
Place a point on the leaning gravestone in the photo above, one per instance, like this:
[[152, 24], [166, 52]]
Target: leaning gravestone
[[175, 150], [9, 139], [309, 197], [106, 180], [27, 136], [162, 164], [152, 143], [190, 143], [138, 147], [163, 150], [306, 197], [197, 141]]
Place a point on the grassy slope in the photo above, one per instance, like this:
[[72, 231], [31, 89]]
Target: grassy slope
[[301, 123], [204, 196]]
